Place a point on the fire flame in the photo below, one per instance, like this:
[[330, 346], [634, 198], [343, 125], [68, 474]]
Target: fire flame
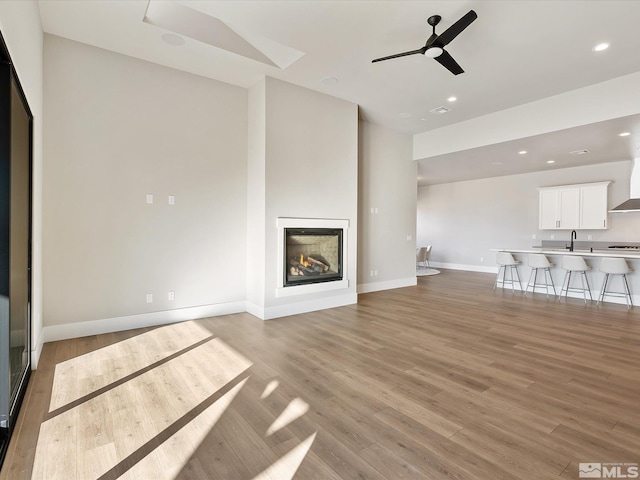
[[303, 262]]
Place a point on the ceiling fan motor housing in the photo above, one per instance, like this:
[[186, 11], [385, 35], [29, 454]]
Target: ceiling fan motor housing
[[434, 20]]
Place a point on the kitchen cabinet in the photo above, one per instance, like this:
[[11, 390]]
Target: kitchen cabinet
[[573, 207], [593, 207], [559, 208]]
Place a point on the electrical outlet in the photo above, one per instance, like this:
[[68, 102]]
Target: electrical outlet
[[553, 237], [371, 273], [589, 237], [171, 296], [375, 273], [149, 297], [533, 237], [149, 198], [481, 259], [172, 200]]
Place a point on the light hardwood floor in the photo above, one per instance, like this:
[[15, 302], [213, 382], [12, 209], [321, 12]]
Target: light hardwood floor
[[439, 381]]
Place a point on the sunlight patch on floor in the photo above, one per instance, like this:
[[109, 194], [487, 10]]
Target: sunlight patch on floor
[[85, 374], [286, 466], [88, 440], [296, 409], [168, 459], [269, 389]]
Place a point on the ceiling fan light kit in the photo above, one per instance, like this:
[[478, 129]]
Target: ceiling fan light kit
[[434, 48], [433, 52]]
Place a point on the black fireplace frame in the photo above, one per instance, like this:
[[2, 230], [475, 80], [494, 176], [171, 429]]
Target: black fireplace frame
[[308, 280]]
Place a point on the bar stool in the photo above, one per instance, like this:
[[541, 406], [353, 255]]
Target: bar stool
[[615, 266], [573, 264], [506, 260], [538, 261]]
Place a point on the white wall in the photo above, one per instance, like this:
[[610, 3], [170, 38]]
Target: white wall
[[386, 184], [22, 32], [256, 196], [116, 129], [311, 171], [465, 220]]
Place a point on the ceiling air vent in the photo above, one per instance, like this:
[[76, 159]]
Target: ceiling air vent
[[440, 110], [579, 152]]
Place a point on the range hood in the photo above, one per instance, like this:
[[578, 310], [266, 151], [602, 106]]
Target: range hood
[[633, 204]]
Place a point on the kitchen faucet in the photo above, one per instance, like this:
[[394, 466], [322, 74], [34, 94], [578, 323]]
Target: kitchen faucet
[[573, 235]]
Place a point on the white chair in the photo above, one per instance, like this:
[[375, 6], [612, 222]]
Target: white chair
[[506, 261], [575, 264], [615, 266], [428, 255], [421, 256], [538, 261]]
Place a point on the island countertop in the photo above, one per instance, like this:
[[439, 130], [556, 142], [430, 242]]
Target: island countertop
[[619, 253]]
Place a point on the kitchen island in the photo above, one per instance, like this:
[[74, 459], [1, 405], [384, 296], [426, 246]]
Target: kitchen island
[[595, 277]]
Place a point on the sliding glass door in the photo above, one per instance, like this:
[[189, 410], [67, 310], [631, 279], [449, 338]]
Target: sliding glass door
[[15, 247]]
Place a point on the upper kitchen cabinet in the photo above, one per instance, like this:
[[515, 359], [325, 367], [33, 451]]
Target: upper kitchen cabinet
[[593, 206], [574, 207], [559, 208]]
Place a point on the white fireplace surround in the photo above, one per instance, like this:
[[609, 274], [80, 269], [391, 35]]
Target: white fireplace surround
[[285, 222]]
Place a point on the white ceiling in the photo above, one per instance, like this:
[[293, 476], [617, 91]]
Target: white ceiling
[[602, 140], [516, 52]]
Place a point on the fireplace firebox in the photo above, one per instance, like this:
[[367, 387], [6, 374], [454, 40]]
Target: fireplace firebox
[[312, 255]]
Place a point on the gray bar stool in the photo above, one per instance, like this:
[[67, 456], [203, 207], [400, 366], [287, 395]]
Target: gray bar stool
[[571, 264], [615, 266], [538, 261], [506, 261]]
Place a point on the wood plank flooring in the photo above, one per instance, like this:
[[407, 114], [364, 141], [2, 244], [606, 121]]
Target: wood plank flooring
[[445, 380]]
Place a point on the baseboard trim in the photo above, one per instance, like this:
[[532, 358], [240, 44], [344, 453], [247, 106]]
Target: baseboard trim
[[255, 310], [595, 294], [270, 313], [388, 285], [36, 352], [468, 268], [54, 333]]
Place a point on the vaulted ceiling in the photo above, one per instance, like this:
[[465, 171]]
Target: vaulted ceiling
[[515, 52]]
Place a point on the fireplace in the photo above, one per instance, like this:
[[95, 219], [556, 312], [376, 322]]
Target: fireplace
[[312, 255]]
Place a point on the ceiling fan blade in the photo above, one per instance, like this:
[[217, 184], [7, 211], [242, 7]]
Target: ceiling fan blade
[[404, 54], [449, 63], [454, 30]]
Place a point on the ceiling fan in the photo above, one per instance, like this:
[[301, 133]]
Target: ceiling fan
[[434, 47]]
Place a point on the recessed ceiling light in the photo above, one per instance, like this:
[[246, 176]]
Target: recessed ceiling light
[[405, 115], [452, 99], [600, 47], [172, 39], [624, 134], [329, 80], [522, 152], [551, 161]]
